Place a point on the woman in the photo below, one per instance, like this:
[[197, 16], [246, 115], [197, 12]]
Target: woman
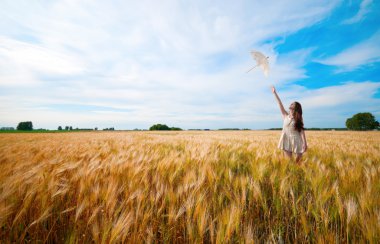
[[293, 139]]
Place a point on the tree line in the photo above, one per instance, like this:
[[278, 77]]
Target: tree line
[[163, 127], [360, 121]]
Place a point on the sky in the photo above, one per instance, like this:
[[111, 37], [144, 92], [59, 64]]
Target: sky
[[132, 64]]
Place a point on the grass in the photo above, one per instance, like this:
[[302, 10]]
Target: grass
[[176, 187]]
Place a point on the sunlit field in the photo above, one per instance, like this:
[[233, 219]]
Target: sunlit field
[[188, 187]]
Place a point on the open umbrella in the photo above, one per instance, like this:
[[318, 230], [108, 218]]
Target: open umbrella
[[261, 61]]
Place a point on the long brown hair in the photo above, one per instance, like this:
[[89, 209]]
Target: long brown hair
[[297, 115]]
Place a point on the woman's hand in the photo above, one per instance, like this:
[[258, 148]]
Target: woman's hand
[[304, 147], [273, 90]]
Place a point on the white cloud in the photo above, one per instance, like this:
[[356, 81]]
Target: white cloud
[[257, 108], [331, 106], [149, 62], [358, 55], [347, 94], [23, 60], [164, 33], [363, 10]]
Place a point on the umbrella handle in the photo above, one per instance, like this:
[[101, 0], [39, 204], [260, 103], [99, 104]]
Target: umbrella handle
[[251, 68]]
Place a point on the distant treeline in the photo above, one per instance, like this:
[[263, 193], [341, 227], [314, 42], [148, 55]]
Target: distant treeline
[[360, 121], [234, 129], [27, 126], [326, 129], [82, 129], [314, 128]]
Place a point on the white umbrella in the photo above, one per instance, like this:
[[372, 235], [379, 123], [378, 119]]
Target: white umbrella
[[261, 61]]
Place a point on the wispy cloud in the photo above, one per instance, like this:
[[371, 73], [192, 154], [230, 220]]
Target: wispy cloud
[[363, 10], [364, 53], [109, 38], [22, 62], [331, 106], [127, 65]]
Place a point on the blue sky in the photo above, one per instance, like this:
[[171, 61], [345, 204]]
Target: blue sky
[[131, 64]]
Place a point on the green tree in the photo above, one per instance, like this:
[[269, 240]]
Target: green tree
[[362, 121], [159, 127], [163, 127], [27, 125], [175, 128], [59, 127]]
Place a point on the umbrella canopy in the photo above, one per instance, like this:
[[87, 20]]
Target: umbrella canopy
[[261, 61]]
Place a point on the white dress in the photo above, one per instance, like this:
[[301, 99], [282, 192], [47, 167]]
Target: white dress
[[291, 139]]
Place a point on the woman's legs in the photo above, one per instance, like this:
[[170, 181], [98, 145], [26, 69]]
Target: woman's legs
[[287, 153], [298, 158]]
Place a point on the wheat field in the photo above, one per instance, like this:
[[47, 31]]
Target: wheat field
[[188, 187]]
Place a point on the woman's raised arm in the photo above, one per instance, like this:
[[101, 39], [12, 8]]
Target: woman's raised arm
[[283, 111]]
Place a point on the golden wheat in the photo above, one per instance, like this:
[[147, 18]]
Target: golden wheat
[[188, 187]]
